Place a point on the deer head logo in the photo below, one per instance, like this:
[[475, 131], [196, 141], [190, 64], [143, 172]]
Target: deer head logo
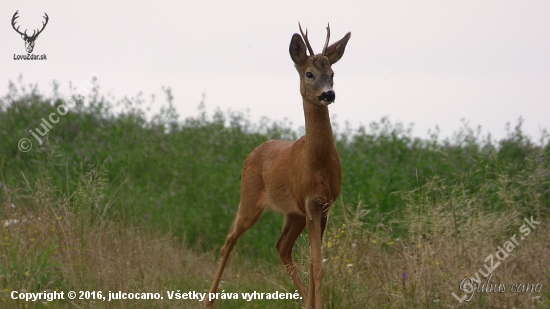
[[29, 40]]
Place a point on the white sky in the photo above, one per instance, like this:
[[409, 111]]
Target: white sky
[[427, 62]]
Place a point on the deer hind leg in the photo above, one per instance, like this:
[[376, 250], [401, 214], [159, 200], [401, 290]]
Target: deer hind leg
[[294, 225], [316, 224], [249, 212]]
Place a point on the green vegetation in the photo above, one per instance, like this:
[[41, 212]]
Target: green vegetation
[[107, 180], [184, 176]]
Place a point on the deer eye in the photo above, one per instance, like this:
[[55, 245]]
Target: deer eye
[[309, 75], [332, 76]]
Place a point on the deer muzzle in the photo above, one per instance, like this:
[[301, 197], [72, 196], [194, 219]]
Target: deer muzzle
[[327, 97]]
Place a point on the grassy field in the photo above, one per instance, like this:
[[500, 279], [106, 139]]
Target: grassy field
[[115, 201]]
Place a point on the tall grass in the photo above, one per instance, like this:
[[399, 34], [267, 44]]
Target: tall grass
[[122, 201], [450, 234], [63, 243], [183, 175], [56, 242]]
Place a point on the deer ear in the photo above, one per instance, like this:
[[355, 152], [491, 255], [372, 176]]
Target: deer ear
[[336, 50], [297, 49]]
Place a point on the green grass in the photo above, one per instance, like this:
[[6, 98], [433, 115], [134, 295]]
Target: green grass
[[116, 201], [64, 243], [183, 175]]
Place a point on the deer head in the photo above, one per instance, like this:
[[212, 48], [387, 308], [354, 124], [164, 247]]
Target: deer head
[[316, 75], [29, 40]]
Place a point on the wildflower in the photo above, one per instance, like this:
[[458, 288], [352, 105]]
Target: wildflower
[[373, 242], [404, 275], [437, 262], [349, 265], [329, 244], [10, 222], [390, 243]]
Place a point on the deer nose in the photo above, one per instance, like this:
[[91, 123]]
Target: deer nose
[[327, 96]]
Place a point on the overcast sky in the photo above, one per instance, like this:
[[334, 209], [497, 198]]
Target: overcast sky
[[427, 62]]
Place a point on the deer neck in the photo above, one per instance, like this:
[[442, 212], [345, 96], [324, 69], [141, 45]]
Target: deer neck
[[319, 141]]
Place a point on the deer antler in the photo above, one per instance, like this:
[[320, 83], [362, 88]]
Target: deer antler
[[326, 42], [43, 26], [305, 39], [13, 23], [34, 33]]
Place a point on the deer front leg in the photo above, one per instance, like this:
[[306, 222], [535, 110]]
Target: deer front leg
[[315, 223]]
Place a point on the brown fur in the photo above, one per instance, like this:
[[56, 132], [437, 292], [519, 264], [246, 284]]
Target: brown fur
[[299, 179]]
